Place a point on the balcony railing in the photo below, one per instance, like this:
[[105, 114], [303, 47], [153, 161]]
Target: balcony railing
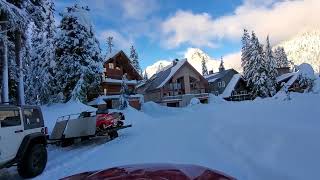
[[179, 97]]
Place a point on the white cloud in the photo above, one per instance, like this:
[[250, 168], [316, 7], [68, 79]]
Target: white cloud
[[280, 19], [186, 27], [138, 9], [233, 60], [120, 42]]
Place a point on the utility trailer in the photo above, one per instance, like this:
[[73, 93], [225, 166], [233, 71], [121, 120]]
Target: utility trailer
[[81, 126]]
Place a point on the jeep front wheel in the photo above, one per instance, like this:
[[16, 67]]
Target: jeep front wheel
[[33, 162]]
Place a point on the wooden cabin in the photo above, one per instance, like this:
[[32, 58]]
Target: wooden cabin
[[176, 85], [115, 66]]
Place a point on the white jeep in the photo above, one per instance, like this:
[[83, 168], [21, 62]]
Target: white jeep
[[23, 139]]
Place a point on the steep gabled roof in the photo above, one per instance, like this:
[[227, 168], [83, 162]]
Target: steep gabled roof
[[159, 79], [113, 56], [231, 85], [285, 77], [218, 75]]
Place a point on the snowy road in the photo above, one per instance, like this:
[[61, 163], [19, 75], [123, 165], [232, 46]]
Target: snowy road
[[267, 139]]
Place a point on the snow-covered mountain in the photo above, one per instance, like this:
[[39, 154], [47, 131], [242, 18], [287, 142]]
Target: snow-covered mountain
[[194, 56], [156, 67], [304, 48]]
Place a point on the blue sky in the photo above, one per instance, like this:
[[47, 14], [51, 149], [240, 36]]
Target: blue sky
[[165, 29]]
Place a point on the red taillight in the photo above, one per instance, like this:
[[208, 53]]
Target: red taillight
[[44, 130]]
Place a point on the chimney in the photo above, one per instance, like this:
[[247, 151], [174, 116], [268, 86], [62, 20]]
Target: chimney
[[174, 62]]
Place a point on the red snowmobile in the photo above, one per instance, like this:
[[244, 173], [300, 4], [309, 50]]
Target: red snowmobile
[[107, 120]]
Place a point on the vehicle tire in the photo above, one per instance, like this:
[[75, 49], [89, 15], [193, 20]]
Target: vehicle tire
[[33, 161]]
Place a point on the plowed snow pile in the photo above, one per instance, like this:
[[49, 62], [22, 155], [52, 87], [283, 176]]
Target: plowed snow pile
[[263, 139]]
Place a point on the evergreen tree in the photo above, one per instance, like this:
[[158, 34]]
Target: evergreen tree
[[281, 57], [204, 67], [271, 65], [30, 75], [109, 44], [19, 14], [257, 76], [43, 57], [124, 93], [78, 56], [245, 50], [145, 75], [135, 59]]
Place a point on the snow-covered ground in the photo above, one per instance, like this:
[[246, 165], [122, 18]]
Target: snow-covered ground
[[263, 139]]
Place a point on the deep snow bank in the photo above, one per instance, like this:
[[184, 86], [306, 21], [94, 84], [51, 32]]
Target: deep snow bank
[[263, 139]]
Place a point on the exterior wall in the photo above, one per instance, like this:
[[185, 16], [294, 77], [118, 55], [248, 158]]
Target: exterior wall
[[283, 70], [115, 103], [180, 97], [186, 73], [152, 96], [296, 87], [214, 88], [121, 66], [241, 92], [114, 89], [119, 69], [135, 104]]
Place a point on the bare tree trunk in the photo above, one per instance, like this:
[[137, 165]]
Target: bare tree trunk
[[4, 59], [18, 43], [5, 79]]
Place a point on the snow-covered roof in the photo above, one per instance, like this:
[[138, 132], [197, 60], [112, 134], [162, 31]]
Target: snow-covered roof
[[161, 78], [218, 75], [212, 80], [306, 70], [112, 54], [141, 83], [211, 75], [119, 81], [292, 79], [97, 101], [284, 76], [231, 85], [173, 70], [101, 99]]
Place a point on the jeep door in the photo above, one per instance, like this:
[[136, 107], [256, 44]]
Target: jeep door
[[11, 129]]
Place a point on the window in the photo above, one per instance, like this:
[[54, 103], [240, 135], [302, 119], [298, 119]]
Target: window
[[32, 118], [221, 84], [216, 93], [234, 93], [10, 118], [111, 66], [243, 92]]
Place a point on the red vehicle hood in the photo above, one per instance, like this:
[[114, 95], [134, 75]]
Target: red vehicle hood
[[153, 171]]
